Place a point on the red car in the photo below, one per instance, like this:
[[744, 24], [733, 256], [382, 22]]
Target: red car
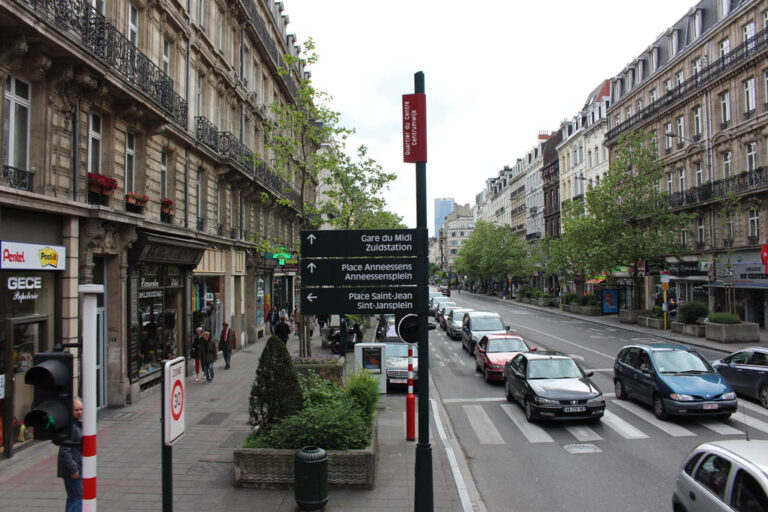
[[493, 352]]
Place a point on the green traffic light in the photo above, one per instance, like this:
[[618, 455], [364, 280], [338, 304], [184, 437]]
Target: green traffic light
[[50, 423]]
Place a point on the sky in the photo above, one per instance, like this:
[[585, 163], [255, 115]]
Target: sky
[[496, 74]]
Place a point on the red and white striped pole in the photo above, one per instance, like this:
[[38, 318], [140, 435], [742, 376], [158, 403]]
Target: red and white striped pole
[[88, 360], [410, 401]]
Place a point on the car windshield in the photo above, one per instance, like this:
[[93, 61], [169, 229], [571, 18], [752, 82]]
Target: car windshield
[[553, 369], [447, 304], [400, 350], [508, 345], [457, 314], [487, 323], [680, 361]]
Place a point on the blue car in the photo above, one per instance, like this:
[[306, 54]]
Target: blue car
[[673, 379]]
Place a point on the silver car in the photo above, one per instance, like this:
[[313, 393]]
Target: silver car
[[397, 363], [453, 322], [730, 475]]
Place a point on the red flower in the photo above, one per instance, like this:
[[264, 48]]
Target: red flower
[[166, 202]]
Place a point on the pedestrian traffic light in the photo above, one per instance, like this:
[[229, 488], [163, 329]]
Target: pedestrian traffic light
[[51, 413]]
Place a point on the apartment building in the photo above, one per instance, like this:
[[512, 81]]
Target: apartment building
[[702, 88], [134, 157], [550, 184], [457, 228], [534, 193]]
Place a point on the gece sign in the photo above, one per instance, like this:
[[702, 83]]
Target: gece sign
[[414, 128]]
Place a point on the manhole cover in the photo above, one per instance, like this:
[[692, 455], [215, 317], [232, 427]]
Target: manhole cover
[[578, 448]]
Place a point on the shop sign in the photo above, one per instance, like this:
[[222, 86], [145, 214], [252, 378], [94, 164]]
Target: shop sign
[[687, 268], [749, 272], [21, 286], [149, 294], [23, 256]]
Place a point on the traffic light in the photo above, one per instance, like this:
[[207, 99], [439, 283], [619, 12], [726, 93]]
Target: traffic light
[[51, 413]]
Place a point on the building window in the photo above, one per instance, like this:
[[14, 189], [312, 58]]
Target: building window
[[164, 174], [667, 86], [233, 37], [681, 179], [218, 112], [697, 121], [597, 155], [653, 95], [218, 203], [130, 162], [701, 231], [754, 222], [673, 43], [679, 78], [201, 14], [16, 107], [589, 158], [95, 131], [696, 67], [220, 31], [729, 229], [726, 164], [654, 59], [668, 136], [751, 156], [199, 94], [725, 50], [749, 95], [696, 24], [725, 8], [669, 183], [699, 174], [98, 5], [166, 57], [749, 34], [765, 81], [684, 237], [680, 130], [725, 107], [199, 190], [133, 24]]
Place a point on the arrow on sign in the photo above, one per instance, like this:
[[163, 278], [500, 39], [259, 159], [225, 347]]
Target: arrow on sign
[[311, 239], [311, 267], [311, 297]]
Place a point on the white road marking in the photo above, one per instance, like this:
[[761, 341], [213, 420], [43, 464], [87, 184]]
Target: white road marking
[[621, 427], [460, 400], [752, 407], [576, 356], [720, 427], [569, 342], [670, 428], [583, 433], [466, 502], [482, 425], [750, 422], [534, 433]]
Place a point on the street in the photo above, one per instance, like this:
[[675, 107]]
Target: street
[[627, 461]]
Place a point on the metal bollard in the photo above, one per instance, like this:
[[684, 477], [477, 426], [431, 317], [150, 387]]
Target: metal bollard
[[310, 474]]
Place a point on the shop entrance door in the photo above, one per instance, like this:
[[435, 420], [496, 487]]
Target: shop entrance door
[[101, 359]]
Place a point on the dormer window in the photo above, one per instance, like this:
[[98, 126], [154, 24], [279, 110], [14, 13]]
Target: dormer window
[[640, 70], [672, 42], [630, 79], [654, 58], [696, 24], [725, 8]]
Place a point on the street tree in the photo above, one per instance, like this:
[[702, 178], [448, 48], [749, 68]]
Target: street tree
[[493, 252], [728, 209]]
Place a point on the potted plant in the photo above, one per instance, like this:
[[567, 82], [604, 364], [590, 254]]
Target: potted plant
[[653, 318], [100, 184], [166, 206], [728, 328], [136, 199], [690, 319]]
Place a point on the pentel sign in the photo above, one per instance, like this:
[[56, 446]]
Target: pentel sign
[[23, 256], [414, 128]]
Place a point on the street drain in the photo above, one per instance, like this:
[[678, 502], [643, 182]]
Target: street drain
[[579, 448]]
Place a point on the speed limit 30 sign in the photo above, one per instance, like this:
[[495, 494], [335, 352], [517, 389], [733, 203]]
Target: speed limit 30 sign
[[173, 400]]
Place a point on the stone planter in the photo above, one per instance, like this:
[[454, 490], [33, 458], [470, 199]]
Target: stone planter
[[269, 468], [331, 371], [697, 330], [678, 327], [628, 316], [590, 311], [651, 322], [745, 332]]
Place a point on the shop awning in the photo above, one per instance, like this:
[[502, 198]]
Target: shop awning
[[596, 280], [170, 250]]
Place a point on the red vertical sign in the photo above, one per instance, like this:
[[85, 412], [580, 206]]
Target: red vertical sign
[[764, 257], [414, 128]]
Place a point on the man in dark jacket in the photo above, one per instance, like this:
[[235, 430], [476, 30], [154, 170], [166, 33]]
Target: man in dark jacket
[[70, 462], [283, 330], [227, 343], [208, 355], [273, 318]]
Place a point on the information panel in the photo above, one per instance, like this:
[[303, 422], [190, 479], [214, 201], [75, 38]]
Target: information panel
[[351, 272], [363, 243], [373, 300]]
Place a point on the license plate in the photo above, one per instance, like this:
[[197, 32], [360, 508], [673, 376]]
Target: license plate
[[574, 409], [398, 381], [709, 407]]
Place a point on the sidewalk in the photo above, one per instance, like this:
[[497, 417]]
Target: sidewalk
[[129, 460], [613, 321]]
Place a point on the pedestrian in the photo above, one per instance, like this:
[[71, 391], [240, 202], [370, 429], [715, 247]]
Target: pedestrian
[[208, 354], [70, 463], [357, 334], [194, 352], [227, 343], [283, 330], [273, 318], [321, 320]]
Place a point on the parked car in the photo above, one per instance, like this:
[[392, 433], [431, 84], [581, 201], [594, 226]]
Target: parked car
[[674, 379], [493, 352], [477, 324], [436, 302], [453, 322], [723, 475], [551, 386], [440, 308], [747, 372], [397, 362], [444, 316]]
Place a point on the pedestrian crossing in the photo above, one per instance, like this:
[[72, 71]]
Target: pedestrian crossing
[[624, 420]]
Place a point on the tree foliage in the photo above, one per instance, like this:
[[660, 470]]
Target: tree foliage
[[493, 252], [275, 393]]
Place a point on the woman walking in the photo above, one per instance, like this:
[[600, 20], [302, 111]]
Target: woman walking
[[208, 355]]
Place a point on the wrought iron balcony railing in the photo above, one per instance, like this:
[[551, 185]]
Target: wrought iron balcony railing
[[81, 21], [752, 239], [219, 229], [716, 69], [749, 114], [231, 147], [200, 223], [737, 185], [18, 178], [727, 242], [207, 133], [700, 245], [725, 124]]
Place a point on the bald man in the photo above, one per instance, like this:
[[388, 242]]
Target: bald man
[[71, 461]]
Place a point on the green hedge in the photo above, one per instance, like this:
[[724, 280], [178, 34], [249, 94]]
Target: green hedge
[[569, 297], [654, 312], [589, 300], [690, 312], [723, 318]]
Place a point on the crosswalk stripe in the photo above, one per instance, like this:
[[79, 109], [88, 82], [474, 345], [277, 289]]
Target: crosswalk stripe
[[621, 427], [534, 433], [752, 407], [720, 427], [751, 422], [583, 433], [670, 428], [482, 425]]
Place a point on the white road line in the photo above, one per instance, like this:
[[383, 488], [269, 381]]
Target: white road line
[[534, 433], [583, 433], [720, 427], [460, 400], [466, 502], [576, 356], [482, 425], [566, 341], [621, 427], [752, 407], [750, 422], [670, 428]]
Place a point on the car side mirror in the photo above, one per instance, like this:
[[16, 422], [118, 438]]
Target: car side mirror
[[507, 327], [534, 349], [590, 374]]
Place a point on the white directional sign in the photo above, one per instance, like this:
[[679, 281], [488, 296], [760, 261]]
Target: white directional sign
[[393, 299], [173, 390]]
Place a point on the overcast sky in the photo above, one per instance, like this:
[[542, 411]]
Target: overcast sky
[[496, 72]]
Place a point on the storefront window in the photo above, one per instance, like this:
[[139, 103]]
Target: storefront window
[[207, 302], [260, 301]]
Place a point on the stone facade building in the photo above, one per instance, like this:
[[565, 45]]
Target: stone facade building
[[134, 157]]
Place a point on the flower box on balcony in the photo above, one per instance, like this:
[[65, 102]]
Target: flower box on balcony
[[166, 206], [100, 184]]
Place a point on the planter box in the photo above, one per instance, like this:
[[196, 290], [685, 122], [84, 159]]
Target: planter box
[[267, 467], [590, 311], [331, 371], [651, 322], [745, 332], [628, 316], [697, 330], [678, 327]]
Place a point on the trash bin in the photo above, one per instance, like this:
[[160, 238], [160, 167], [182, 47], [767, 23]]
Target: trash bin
[[310, 478]]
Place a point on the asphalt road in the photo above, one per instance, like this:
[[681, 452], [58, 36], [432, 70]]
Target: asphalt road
[[628, 461]]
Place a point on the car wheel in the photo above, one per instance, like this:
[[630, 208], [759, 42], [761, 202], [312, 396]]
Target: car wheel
[[528, 411], [472, 350], [764, 396], [618, 387], [658, 408], [509, 396]]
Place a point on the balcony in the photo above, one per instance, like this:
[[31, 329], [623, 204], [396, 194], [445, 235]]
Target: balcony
[[233, 233], [667, 150], [752, 239], [749, 114], [80, 21], [231, 147], [166, 217], [18, 178], [533, 236], [700, 245], [697, 137], [207, 133], [725, 124], [716, 69], [219, 229], [200, 223], [737, 185], [727, 242], [681, 144]]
